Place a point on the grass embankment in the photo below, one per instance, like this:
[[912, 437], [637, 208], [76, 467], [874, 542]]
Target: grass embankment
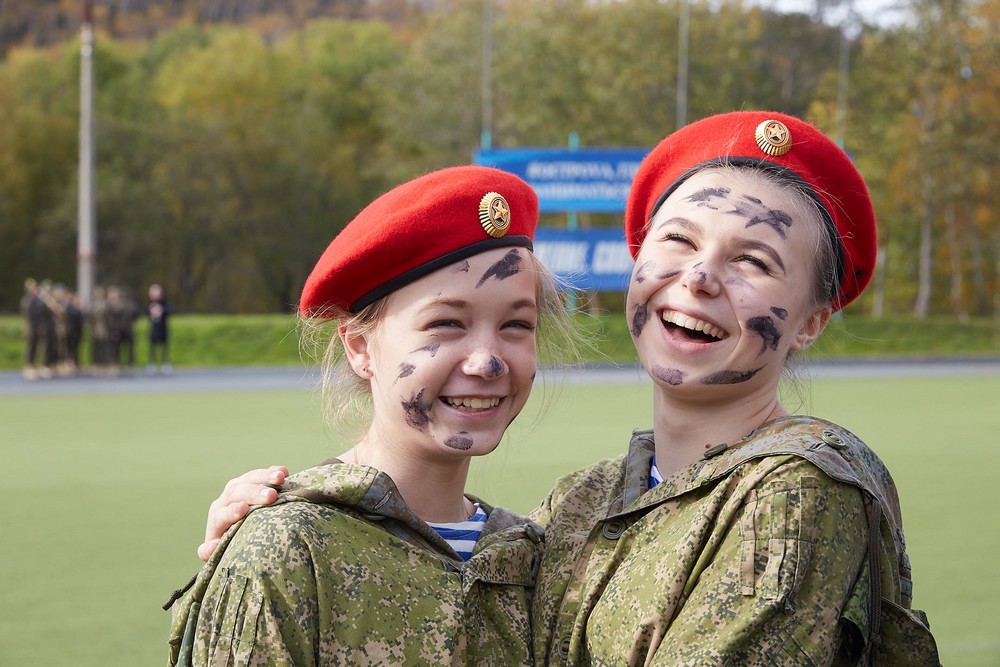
[[269, 340]]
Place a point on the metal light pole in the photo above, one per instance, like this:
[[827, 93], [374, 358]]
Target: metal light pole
[[684, 30], [486, 134], [87, 225], [843, 73]]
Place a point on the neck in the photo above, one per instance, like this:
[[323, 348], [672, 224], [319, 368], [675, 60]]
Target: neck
[[684, 429], [434, 489]]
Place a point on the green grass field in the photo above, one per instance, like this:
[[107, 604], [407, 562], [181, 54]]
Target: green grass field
[[107, 496]]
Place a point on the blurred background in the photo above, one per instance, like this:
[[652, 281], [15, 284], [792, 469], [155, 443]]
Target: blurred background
[[214, 147], [230, 140]]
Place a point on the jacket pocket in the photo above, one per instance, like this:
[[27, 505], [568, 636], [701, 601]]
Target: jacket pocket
[[775, 540]]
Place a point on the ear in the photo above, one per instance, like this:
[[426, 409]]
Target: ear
[[358, 350], [811, 328]]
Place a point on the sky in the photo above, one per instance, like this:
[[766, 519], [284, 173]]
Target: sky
[[883, 12]]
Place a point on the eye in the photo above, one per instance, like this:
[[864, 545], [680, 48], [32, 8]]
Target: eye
[[444, 324], [756, 261], [679, 238], [520, 324]]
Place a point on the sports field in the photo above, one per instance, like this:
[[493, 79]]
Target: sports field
[[106, 495]]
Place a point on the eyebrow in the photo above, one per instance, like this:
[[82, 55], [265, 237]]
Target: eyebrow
[[765, 248], [746, 244], [462, 304], [686, 223]]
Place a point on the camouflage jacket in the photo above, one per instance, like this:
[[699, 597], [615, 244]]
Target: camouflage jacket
[[757, 554], [341, 572]]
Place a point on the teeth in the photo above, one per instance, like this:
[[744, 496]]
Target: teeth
[[682, 320], [473, 403]]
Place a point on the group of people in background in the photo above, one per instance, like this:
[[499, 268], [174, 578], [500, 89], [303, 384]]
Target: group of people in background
[[56, 325]]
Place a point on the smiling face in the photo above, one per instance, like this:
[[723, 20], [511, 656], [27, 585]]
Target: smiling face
[[722, 286], [453, 359]]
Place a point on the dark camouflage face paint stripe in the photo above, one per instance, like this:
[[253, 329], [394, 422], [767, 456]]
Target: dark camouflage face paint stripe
[[764, 327], [505, 268], [463, 267], [642, 272], [639, 319], [702, 277], [495, 367], [705, 196], [671, 376], [759, 214], [417, 411], [781, 313], [669, 273], [405, 370], [730, 377], [460, 441], [432, 348]]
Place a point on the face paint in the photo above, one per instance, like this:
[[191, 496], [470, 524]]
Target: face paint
[[759, 214], [641, 272], [764, 327], [781, 313], [702, 277], [730, 377], [670, 273], [505, 268], [462, 267], [495, 367], [639, 319], [432, 348], [460, 441], [405, 370], [671, 376], [705, 196], [417, 411]]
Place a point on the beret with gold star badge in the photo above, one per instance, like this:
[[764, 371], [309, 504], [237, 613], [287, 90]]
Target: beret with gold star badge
[[416, 228], [779, 143]]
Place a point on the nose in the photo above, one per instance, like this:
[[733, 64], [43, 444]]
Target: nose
[[484, 363], [701, 279]]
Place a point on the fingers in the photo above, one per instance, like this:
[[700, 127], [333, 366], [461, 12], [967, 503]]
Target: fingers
[[248, 489], [206, 549]]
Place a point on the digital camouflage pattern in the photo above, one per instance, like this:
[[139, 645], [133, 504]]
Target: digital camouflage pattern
[[341, 572], [757, 554]]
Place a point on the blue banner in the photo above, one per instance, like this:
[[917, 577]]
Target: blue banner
[[588, 259], [586, 179]]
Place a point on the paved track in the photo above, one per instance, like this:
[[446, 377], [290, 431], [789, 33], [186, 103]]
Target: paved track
[[235, 379]]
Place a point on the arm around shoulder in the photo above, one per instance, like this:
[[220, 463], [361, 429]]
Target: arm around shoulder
[[260, 604]]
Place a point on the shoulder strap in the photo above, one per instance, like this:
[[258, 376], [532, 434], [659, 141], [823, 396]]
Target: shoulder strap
[[844, 457]]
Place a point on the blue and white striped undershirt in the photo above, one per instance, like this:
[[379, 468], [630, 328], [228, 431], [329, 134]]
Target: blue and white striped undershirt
[[462, 536], [654, 475]]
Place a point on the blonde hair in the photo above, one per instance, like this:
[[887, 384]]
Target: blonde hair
[[346, 397]]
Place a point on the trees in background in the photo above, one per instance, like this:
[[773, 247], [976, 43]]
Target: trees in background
[[229, 155]]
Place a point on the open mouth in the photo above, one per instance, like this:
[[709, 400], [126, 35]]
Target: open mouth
[[691, 328], [471, 404]]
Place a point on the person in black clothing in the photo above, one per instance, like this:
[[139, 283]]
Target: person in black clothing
[[121, 314], [159, 311]]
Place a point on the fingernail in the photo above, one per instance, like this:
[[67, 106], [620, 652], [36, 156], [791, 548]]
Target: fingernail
[[263, 493], [275, 478]]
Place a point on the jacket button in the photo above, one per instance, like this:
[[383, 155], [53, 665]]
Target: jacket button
[[834, 440], [614, 529], [563, 649]]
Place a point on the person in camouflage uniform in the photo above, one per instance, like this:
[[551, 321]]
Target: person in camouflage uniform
[[358, 562], [732, 533]]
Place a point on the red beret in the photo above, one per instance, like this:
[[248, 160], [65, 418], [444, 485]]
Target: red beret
[[416, 228], [776, 142]]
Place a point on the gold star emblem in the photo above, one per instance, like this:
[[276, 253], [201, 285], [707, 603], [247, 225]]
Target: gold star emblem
[[773, 138], [494, 214]]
